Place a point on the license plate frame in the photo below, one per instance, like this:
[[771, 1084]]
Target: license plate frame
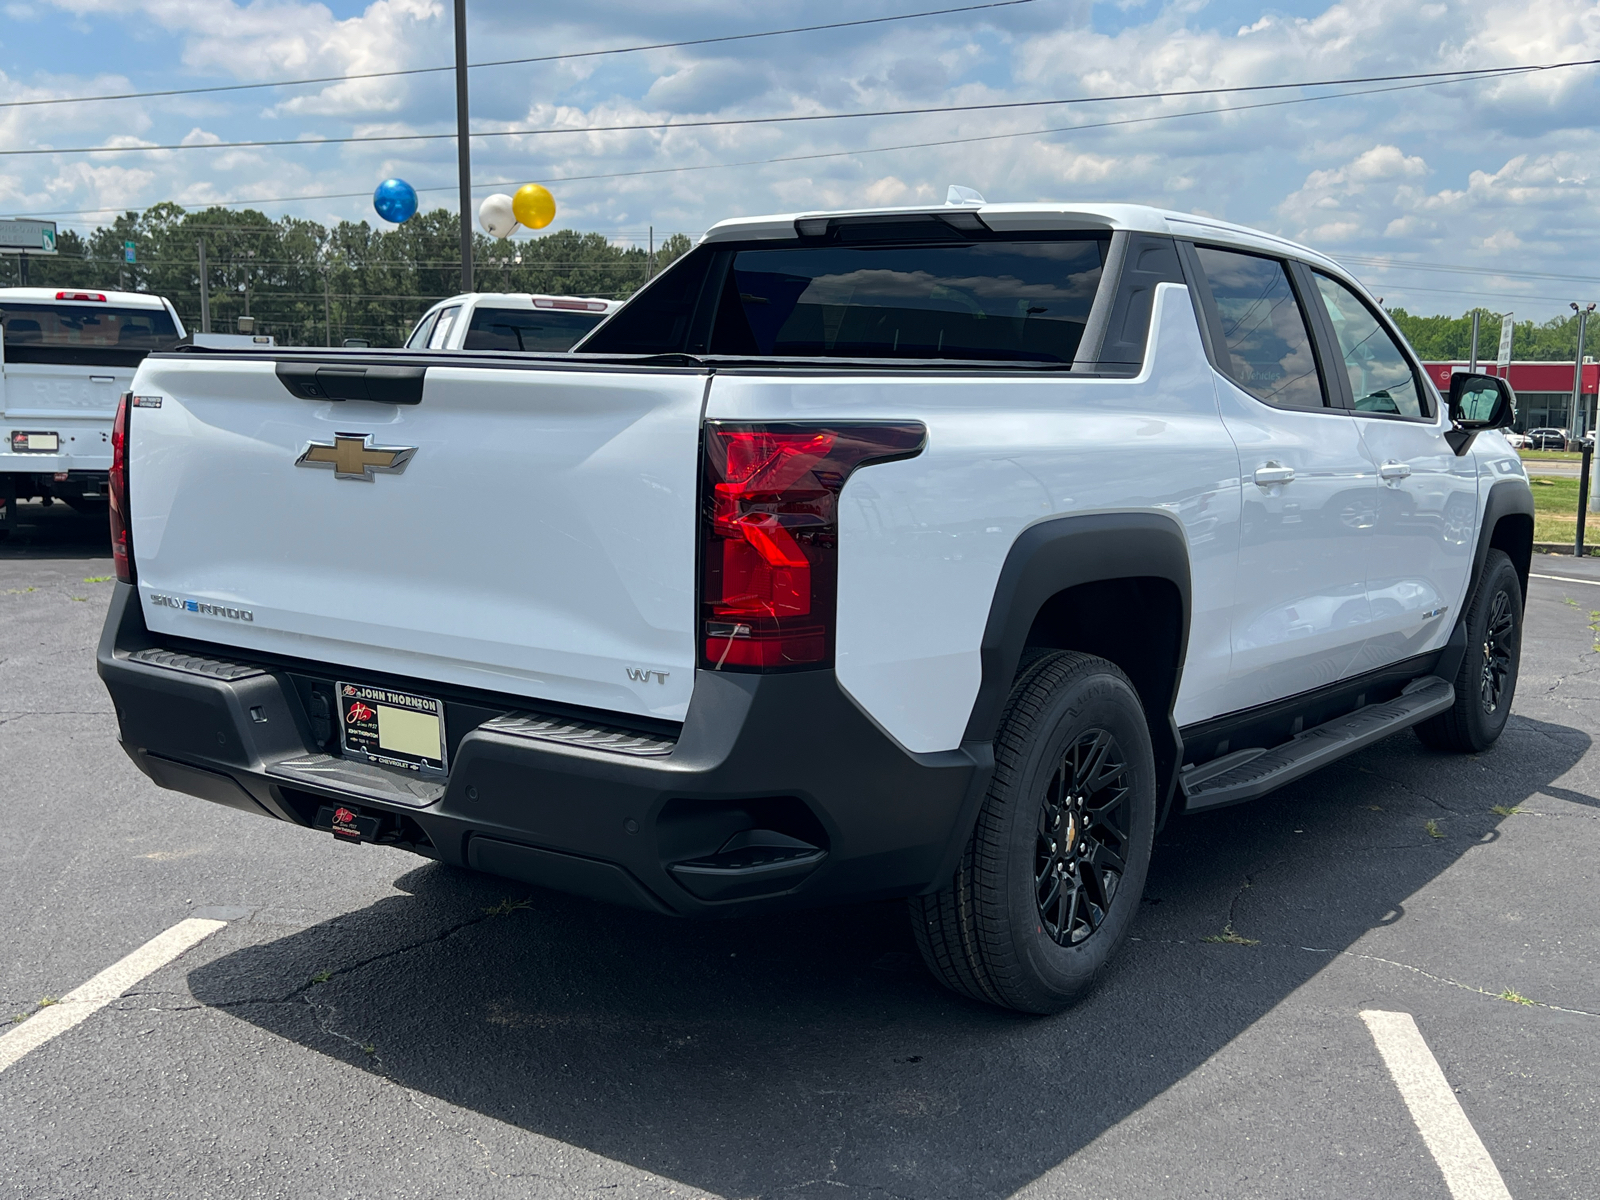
[[35, 441], [364, 738]]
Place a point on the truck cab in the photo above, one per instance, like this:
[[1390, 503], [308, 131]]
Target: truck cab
[[509, 321], [66, 355]]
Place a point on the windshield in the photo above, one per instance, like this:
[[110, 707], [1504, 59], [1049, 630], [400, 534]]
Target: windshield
[[981, 300], [527, 329]]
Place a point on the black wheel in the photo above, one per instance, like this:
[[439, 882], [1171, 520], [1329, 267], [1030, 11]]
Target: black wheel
[[1487, 680], [1049, 882]]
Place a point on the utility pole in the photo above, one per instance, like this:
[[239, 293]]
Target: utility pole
[[1577, 369], [1472, 364], [205, 289], [327, 309], [650, 261], [463, 146]]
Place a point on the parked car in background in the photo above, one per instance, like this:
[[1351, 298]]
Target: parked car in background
[[509, 321], [1547, 439], [65, 357], [1517, 441]]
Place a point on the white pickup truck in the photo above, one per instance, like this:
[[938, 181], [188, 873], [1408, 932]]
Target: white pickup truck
[[509, 321], [65, 357], [940, 553]]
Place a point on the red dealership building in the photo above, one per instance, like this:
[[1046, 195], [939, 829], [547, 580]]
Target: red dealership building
[[1544, 392]]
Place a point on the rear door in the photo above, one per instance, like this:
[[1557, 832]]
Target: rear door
[[1427, 496], [523, 531], [1301, 614]]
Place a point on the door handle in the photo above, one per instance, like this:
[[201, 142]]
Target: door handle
[[1270, 473], [1394, 470]]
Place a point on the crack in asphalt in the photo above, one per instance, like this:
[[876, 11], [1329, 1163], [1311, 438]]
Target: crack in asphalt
[[1445, 979], [1406, 787]]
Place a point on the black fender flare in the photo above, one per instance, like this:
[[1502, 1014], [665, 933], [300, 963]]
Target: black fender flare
[[1507, 498], [1059, 553]]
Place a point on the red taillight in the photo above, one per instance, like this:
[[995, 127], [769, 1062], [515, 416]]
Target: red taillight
[[121, 543], [81, 296], [770, 548]]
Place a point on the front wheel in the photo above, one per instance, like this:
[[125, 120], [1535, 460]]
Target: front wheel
[[1487, 679], [1049, 883]]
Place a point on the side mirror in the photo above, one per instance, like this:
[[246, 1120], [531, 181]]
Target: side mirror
[[1478, 402]]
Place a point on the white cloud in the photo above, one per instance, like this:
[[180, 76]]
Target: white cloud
[[1496, 172]]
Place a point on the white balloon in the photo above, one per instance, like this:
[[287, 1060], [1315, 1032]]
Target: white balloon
[[496, 217]]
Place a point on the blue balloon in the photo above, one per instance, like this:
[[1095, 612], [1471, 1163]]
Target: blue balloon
[[395, 200]]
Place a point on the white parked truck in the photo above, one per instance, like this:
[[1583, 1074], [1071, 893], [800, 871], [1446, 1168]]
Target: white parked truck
[[509, 321], [66, 355], [939, 553]]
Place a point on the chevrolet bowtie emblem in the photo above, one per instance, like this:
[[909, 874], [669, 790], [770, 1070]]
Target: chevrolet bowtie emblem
[[353, 456]]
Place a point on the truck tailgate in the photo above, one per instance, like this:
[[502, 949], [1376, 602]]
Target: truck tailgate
[[539, 540]]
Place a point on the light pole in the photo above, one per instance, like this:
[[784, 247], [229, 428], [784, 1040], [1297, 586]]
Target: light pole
[[1472, 359], [1577, 369], [463, 146]]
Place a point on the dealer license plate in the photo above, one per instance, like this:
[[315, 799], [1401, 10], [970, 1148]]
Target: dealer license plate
[[392, 729], [35, 443]]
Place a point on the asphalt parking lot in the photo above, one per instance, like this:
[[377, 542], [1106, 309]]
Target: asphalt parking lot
[[367, 1023]]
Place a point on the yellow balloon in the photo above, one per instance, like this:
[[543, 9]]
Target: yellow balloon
[[534, 206]]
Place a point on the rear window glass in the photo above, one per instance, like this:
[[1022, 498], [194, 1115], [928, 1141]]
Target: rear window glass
[[527, 329], [85, 326], [995, 301]]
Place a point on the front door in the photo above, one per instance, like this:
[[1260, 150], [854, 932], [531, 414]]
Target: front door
[[1300, 613], [1427, 496]]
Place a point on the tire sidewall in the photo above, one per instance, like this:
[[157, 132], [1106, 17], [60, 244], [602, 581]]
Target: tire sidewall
[[1056, 975], [1485, 728]]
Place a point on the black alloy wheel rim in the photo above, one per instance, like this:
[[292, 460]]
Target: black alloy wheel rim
[[1081, 851], [1497, 637]]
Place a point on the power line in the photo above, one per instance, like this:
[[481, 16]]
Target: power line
[[791, 158], [720, 123], [1385, 263], [510, 62]]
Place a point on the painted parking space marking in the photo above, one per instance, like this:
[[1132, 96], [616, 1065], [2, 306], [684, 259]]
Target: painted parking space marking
[[1563, 578], [1468, 1170], [89, 998]]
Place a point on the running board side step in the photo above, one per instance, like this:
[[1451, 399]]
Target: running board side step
[[1247, 774]]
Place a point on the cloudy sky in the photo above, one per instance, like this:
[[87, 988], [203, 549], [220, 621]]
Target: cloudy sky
[[1493, 176]]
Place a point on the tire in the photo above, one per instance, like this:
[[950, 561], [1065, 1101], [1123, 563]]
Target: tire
[[1487, 681], [1032, 918]]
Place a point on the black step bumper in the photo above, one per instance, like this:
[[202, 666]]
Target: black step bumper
[[777, 790]]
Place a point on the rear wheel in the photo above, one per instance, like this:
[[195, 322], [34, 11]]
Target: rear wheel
[[1487, 680], [1049, 882]]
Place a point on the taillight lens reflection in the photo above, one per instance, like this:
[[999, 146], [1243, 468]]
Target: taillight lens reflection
[[121, 545], [769, 556]]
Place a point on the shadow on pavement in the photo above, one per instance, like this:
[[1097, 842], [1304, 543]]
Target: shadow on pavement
[[795, 1053], [56, 531]]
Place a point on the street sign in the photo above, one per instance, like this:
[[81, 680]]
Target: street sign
[[128, 253], [22, 236], [1503, 358]]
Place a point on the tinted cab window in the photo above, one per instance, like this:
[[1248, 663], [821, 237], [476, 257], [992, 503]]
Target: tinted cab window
[[1382, 379], [1010, 301], [89, 334], [527, 329], [1265, 340]]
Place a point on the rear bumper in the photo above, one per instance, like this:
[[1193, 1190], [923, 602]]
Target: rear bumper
[[776, 792]]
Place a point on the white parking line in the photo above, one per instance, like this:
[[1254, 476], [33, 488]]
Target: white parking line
[[1468, 1170], [91, 997], [1562, 578]]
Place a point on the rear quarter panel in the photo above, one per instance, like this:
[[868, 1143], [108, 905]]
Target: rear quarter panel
[[922, 541]]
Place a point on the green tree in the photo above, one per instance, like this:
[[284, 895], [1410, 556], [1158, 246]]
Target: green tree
[[307, 284]]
